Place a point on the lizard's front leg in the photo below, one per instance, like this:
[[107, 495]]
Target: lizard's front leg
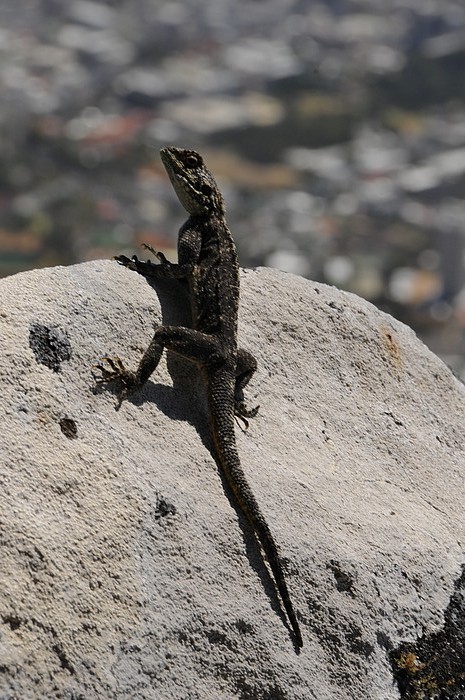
[[189, 246]]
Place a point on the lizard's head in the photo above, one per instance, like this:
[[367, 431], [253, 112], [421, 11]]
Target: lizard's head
[[193, 183]]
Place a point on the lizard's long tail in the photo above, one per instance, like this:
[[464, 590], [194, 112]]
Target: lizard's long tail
[[221, 402]]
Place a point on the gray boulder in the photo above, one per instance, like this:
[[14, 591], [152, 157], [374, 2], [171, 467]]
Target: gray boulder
[[126, 570]]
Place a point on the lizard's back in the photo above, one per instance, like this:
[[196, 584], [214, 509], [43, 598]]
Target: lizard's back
[[214, 283]]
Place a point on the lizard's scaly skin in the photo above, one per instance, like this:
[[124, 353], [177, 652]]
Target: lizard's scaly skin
[[207, 259]]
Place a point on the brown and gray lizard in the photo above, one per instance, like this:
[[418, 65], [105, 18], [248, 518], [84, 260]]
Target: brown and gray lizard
[[207, 259]]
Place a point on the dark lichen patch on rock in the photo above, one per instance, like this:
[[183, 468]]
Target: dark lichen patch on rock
[[68, 427], [163, 508], [50, 345], [434, 666]]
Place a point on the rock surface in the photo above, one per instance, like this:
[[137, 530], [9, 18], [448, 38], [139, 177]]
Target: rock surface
[[126, 571]]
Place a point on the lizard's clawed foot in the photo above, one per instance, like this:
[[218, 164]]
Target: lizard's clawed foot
[[144, 268], [157, 254], [242, 412], [130, 263], [115, 371]]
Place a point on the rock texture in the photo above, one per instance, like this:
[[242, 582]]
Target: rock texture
[[126, 571]]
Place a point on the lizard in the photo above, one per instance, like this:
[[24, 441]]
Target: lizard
[[207, 259]]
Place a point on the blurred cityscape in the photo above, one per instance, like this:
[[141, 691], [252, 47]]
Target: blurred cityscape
[[335, 128]]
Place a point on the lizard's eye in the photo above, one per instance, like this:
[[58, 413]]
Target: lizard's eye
[[193, 160]]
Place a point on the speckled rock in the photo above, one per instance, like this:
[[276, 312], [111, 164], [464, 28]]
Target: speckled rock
[[127, 572]]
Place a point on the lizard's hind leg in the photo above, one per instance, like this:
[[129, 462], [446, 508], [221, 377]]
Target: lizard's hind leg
[[245, 368]]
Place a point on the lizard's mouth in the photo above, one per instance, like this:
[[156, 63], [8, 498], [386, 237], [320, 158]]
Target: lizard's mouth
[[170, 161]]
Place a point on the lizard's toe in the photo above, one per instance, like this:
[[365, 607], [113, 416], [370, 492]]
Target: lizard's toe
[[122, 260], [116, 370], [241, 410]]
